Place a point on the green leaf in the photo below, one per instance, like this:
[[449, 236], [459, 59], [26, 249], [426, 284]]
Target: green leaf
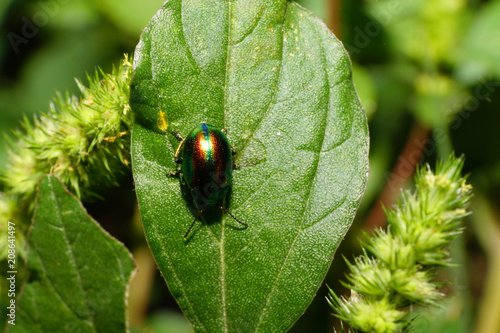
[[481, 45], [129, 15], [79, 273], [272, 75]]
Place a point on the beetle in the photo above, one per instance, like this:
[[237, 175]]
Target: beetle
[[206, 160]]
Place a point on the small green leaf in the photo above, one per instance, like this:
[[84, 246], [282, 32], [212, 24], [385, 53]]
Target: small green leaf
[[481, 44], [272, 75], [79, 274]]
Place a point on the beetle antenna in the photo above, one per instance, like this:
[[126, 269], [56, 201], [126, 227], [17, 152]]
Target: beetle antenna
[[191, 226], [224, 209]]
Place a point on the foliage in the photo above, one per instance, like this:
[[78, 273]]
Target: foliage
[[429, 65], [71, 288], [279, 83], [84, 141]]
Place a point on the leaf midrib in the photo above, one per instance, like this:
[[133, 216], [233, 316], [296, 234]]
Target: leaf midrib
[[272, 101], [57, 211], [224, 104], [306, 206]]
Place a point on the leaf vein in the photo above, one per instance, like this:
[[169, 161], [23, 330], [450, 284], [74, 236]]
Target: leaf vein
[[306, 206], [57, 209], [252, 28], [165, 253], [272, 100], [226, 85], [191, 58]]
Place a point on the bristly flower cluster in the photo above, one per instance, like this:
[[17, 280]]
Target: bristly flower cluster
[[399, 272], [85, 141]]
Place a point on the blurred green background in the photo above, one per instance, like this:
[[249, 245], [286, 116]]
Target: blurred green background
[[427, 72]]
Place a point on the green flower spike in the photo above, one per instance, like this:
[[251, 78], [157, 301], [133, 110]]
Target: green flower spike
[[83, 141], [399, 274]]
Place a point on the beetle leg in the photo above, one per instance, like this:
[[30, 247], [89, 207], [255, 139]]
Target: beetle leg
[[191, 226], [224, 209], [177, 135], [178, 158], [174, 174], [179, 174]]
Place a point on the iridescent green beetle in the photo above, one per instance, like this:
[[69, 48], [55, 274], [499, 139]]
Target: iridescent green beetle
[[206, 159]]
